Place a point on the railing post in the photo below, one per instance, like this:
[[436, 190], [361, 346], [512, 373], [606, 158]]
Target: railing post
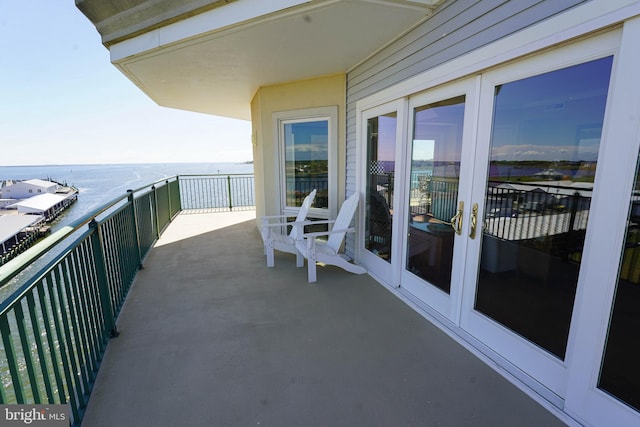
[[12, 361], [155, 211], [103, 283], [169, 199], [229, 192], [136, 233], [178, 193]]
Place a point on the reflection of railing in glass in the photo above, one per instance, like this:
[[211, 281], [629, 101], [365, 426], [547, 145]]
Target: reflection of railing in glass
[[378, 226], [435, 197], [419, 202], [630, 265], [433, 202], [298, 188], [532, 243], [532, 247], [546, 217], [542, 166]]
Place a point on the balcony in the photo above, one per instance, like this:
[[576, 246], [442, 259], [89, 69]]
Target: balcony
[[208, 335]]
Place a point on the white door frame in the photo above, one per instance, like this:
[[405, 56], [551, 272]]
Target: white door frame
[[595, 298], [447, 305], [377, 267], [531, 359]]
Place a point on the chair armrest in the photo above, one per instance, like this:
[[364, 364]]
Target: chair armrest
[[275, 224], [329, 232], [314, 222], [264, 219], [275, 216], [301, 224]]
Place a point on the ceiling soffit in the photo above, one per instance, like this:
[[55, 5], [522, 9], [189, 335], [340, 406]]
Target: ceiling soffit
[[218, 72]]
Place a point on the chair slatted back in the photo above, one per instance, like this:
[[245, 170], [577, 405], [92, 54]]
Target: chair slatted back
[[343, 221], [303, 212]]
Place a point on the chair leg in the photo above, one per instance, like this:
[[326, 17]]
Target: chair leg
[[311, 260], [299, 259], [311, 271], [269, 250]]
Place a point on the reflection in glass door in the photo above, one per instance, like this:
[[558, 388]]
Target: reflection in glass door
[[543, 155], [306, 156], [620, 373], [381, 146], [433, 195]]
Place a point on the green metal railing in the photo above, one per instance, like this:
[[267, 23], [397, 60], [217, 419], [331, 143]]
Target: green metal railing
[[217, 192], [56, 324]]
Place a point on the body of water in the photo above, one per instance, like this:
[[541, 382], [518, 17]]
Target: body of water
[[99, 184]]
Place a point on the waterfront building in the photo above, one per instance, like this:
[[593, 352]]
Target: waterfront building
[[29, 188], [49, 205], [25, 209], [15, 230], [494, 145]]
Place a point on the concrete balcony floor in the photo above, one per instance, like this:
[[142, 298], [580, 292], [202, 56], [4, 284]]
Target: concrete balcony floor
[[212, 337]]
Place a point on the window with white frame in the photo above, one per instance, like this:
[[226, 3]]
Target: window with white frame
[[307, 143]]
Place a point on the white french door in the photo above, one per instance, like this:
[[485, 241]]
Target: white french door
[[439, 159], [604, 379], [539, 138], [379, 238]]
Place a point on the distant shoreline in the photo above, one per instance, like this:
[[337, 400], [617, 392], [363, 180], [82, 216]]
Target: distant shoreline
[[246, 162]]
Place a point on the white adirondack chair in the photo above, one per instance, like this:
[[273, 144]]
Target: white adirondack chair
[[274, 239], [327, 252]]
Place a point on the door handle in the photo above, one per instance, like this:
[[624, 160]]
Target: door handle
[[456, 221], [474, 221]]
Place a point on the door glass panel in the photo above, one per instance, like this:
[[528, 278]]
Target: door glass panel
[[433, 195], [620, 374], [543, 156], [381, 146], [306, 146]]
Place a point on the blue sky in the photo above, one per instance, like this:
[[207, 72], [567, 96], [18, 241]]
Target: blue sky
[[62, 102]]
